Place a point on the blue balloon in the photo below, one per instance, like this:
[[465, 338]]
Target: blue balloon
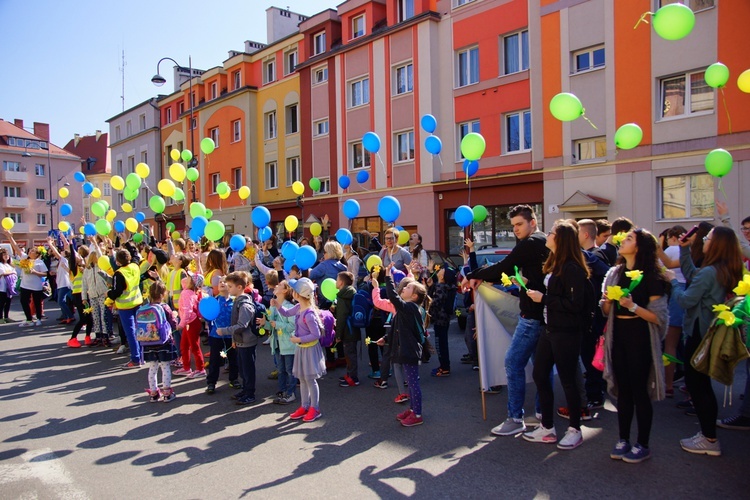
[[119, 226], [389, 208], [344, 236], [195, 235], [344, 181], [433, 144], [470, 167], [209, 308], [199, 223], [305, 258], [140, 217], [429, 124], [265, 233], [88, 188], [89, 229], [80, 176], [289, 249], [261, 216], [66, 209], [237, 243], [363, 176], [351, 208], [371, 142], [464, 216], [288, 266]]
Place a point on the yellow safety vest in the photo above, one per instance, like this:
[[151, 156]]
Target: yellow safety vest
[[78, 282], [174, 287], [131, 297]]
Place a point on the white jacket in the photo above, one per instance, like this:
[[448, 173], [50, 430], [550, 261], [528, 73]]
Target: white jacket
[[94, 285]]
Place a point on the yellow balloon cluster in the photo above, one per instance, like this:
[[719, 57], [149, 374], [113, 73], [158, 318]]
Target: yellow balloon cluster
[[142, 170]]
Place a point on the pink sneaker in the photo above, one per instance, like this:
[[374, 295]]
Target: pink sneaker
[[299, 413], [197, 374], [183, 371], [312, 415], [403, 415], [412, 420]]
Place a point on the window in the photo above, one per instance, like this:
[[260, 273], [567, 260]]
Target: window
[[144, 157], [321, 75], [405, 146], [128, 128], [39, 170], [143, 199], [272, 181], [496, 230], [106, 189], [360, 92], [516, 52], [325, 186], [12, 191], [12, 166], [695, 5], [463, 130], [236, 130], [15, 217], [192, 100], [588, 59], [131, 164], [404, 79], [687, 196], [518, 132], [360, 157], [319, 43], [293, 171], [213, 133], [589, 149], [180, 108], [169, 116], [358, 26], [686, 95], [405, 9], [237, 79], [214, 90], [237, 176], [117, 127], [292, 119], [215, 180], [320, 128], [142, 121], [459, 3], [120, 200], [41, 219], [119, 165], [468, 66], [290, 61], [40, 194], [270, 124]]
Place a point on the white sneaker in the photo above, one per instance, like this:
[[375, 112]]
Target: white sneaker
[[26, 323], [572, 439], [700, 445], [541, 435], [510, 427], [38, 322], [197, 374], [267, 341], [120, 350]]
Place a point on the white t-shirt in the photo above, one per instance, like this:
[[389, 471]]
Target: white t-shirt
[[5, 269], [63, 275], [32, 281], [673, 252]]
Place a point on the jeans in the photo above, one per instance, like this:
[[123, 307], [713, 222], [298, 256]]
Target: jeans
[[216, 362], [127, 318], [287, 382], [441, 337], [62, 299], [560, 348], [246, 362], [522, 346]]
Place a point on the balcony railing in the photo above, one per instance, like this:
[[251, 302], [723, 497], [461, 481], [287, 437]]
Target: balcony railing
[[16, 177], [10, 202]]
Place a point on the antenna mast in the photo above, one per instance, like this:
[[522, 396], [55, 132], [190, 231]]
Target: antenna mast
[[122, 70]]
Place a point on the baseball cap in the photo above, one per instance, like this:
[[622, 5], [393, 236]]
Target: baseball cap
[[197, 279], [304, 287]]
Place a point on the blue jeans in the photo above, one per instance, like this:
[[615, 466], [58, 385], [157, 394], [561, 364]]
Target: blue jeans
[[522, 347], [127, 318], [63, 294], [246, 362], [287, 382]]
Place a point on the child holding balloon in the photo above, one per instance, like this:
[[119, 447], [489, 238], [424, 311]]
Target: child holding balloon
[[94, 292], [221, 345], [191, 326]]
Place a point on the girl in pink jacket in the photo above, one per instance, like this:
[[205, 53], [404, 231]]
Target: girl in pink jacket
[[191, 326]]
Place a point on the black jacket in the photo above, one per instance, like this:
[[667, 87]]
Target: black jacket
[[406, 344], [566, 299]]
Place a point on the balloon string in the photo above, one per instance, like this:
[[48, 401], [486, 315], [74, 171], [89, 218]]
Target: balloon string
[[726, 109], [721, 188], [643, 19], [385, 173], [583, 115]]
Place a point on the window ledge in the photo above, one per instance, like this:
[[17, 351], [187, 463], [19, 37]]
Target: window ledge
[[589, 162], [359, 105], [403, 162], [590, 70], [402, 94], [686, 116], [515, 73], [520, 151], [458, 87], [678, 221]]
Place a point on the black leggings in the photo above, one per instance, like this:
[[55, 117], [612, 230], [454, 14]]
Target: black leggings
[[4, 304], [26, 297], [374, 332], [560, 348], [631, 364], [83, 318], [700, 388]]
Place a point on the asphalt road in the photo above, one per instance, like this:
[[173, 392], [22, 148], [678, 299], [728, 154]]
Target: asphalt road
[[74, 425]]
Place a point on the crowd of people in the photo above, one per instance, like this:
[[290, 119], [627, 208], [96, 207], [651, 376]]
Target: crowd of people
[[587, 289]]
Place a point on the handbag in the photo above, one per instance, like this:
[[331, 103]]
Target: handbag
[[47, 289], [598, 361]]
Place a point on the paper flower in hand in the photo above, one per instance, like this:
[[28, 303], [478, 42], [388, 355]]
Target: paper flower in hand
[[718, 308], [615, 293], [619, 237], [635, 274], [368, 341], [458, 313], [743, 287], [223, 354], [88, 310], [505, 280], [728, 317]]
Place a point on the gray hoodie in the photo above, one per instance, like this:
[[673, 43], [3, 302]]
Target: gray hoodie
[[243, 315]]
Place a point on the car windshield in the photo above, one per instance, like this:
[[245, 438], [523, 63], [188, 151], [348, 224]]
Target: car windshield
[[490, 258]]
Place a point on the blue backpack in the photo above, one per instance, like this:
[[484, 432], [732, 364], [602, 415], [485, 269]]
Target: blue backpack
[[362, 309], [151, 326]]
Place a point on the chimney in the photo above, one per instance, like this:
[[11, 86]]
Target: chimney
[[76, 140], [98, 135], [18, 123], [41, 130]]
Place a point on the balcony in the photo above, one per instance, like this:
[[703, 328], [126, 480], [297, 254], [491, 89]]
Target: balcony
[[10, 202], [20, 228], [14, 177]]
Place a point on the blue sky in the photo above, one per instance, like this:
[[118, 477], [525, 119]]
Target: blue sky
[[61, 59]]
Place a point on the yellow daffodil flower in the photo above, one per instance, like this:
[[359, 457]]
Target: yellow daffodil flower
[[614, 293], [743, 287], [619, 237], [368, 341], [728, 317], [505, 280], [634, 274], [717, 308]]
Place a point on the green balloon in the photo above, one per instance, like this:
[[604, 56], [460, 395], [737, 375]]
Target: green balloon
[[103, 227], [719, 162], [187, 155], [157, 204], [674, 21], [215, 230], [222, 188], [138, 237], [207, 146], [130, 194], [717, 75], [170, 226], [566, 107], [192, 173], [315, 184], [480, 213], [197, 209], [178, 195], [328, 289], [628, 136], [133, 181], [105, 204], [472, 146], [209, 213], [97, 208]]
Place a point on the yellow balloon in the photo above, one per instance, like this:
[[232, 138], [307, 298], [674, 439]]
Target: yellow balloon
[[175, 235], [175, 155], [96, 193], [316, 229], [177, 172], [225, 195], [103, 263], [403, 238], [127, 207], [298, 188], [63, 226], [244, 192], [131, 224], [63, 192], [373, 261], [142, 170], [291, 223], [743, 81], [8, 223], [111, 215], [117, 182], [166, 187], [81, 230]]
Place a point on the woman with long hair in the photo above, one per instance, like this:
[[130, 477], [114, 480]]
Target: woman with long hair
[[720, 272], [216, 268], [33, 270], [560, 343], [636, 326], [418, 255], [8, 278]]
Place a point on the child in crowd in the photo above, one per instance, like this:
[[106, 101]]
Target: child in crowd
[[191, 326], [441, 311], [344, 331], [272, 280], [159, 356], [221, 345], [179, 263], [94, 292], [282, 346], [309, 360]]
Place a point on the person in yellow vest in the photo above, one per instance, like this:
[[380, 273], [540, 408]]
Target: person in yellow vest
[[127, 297], [76, 264]]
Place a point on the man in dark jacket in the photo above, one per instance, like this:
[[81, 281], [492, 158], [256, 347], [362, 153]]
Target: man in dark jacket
[[528, 256]]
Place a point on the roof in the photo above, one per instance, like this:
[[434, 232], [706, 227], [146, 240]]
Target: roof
[[156, 99], [89, 147], [8, 129]]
